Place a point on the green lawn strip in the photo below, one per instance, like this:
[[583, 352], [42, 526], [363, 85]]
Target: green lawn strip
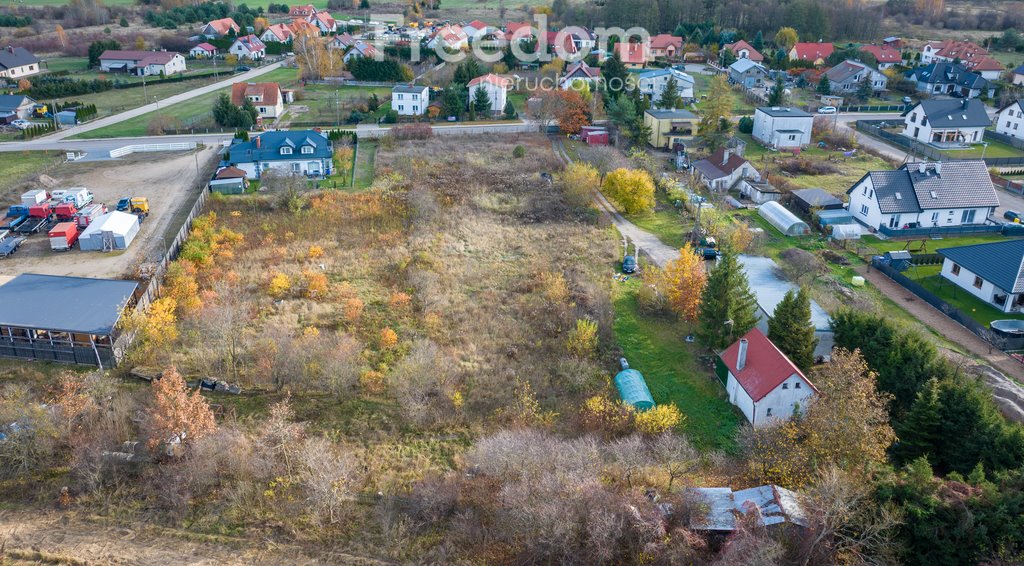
[[116, 101], [329, 104], [932, 245], [929, 277], [665, 222], [655, 347], [851, 169], [366, 157], [995, 149]]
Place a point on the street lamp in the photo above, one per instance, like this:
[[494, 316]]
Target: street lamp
[[984, 148]]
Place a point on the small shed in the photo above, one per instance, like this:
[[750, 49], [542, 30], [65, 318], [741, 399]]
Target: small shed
[[7, 117], [759, 192], [594, 136], [807, 200], [784, 220], [835, 216], [633, 389], [67, 117], [112, 231]]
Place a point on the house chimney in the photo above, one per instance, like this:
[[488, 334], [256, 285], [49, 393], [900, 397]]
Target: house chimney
[[964, 103], [257, 142], [741, 357], [725, 155], [938, 167], [921, 167]]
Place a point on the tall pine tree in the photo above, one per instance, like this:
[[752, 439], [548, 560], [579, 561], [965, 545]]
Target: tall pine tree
[[727, 297], [758, 42], [791, 330], [919, 433], [481, 102], [614, 74], [670, 95]]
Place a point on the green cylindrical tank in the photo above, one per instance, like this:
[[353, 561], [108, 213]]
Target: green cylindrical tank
[[633, 389]]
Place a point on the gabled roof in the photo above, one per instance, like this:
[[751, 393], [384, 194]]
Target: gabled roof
[[813, 51], [948, 73], [883, 53], [140, 58], [783, 112], [66, 304], [664, 40], [715, 166], [843, 71], [957, 184], [11, 57], [816, 197], [632, 53], [491, 78], [205, 47], [744, 65], [998, 262], [303, 11], [766, 366], [299, 25], [450, 34], [343, 39], [753, 54], [888, 184], [362, 49], [11, 102], [409, 89], [268, 93], [326, 19], [954, 113], [229, 173], [680, 76], [1019, 104], [267, 146], [251, 43], [223, 25], [280, 31], [581, 68]]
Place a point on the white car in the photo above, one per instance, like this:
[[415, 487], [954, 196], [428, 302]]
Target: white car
[[827, 110], [21, 124]]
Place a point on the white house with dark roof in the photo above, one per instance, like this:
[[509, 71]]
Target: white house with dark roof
[[579, 71], [782, 127], [17, 62], [993, 272], [946, 123], [950, 78], [248, 47], [924, 195], [410, 100], [300, 152], [1010, 120], [723, 169], [652, 84], [847, 77], [747, 73], [142, 62], [1017, 76]]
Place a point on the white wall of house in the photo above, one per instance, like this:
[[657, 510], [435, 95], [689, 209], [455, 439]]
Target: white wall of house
[[652, 87], [410, 104], [766, 130], [175, 65], [22, 71], [497, 94], [312, 166], [1011, 121], [240, 51], [917, 127], [863, 204], [981, 288], [738, 396], [780, 403], [268, 110], [199, 53]]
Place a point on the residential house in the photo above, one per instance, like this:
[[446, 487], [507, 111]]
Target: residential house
[[743, 50], [477, 29], [17, 62], [248, 47], [324, 22], [666, 46], [671, 128], [762, 381], [815, 53], [924, 195], [1017, 77], [519, 32], [885, 55], [341, 41], [893, 41], [747, 73], [450, 37], [724, 510], [653, 81], [633, 55], [846, 77], [992, 272], [142, 63], [410, 100], [950, 78], [580, 71], [561, 44], [782, 127], [17, 104], [223, 27], [303, 12], [972, 56], [723, 169], [496, 87], [266, 97], [360, 49], [203, 51], [1010, 120], [301, 152], [299, 25], [946, 122], [277, 33]]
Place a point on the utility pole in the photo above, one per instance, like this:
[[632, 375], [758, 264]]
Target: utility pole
[[337, 110]]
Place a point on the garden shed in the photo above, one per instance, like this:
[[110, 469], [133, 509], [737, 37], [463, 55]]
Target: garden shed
[[633, 389], [807, 200], [112, 231], [784, 220]]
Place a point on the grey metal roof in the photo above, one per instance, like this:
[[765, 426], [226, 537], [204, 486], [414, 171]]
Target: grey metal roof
[[744, 65], [955, 113], [956, 184], [671, 114], [409, 89], [997, 262], [888, 184], [11, 57], [722, 506], [817, 197], [64, 304], [11, 102], [948, 73], [843, 71], [784, 112]]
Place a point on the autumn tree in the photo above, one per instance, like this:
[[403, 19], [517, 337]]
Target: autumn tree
[[716, 111], [570, 110], [631, 189], [260, 24], [583, 340], [579, 181], [314, 59], [62, 35], [728, 308], [786, 38], [685, 278], [174, 414], [791, 329]]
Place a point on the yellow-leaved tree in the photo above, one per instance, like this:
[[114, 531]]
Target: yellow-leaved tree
[[660, 419], [631, 189], [684, 280], [175, 415], [579, 181]]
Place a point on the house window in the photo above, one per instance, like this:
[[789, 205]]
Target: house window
[[769, 413], [785, 386], [978, 282], [295, 167], [401, 107], [286, 151], [263, 109], [967, 217], [796, 385], [307, 150], [955, 270], [864, 210]]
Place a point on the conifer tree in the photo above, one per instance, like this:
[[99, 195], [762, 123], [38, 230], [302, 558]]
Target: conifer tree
[[790, 328], [728, 307]]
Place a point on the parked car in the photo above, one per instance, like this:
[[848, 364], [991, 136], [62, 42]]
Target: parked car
[[908, 100], [629, 264], [21, 124], [827, 110], [243, 69], [1012, 216]]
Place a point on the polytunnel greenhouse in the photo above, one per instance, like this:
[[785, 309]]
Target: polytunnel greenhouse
[[633, 390], [784, 220]]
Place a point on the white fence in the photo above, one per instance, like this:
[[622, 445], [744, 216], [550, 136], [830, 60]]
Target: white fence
[[148, 147]]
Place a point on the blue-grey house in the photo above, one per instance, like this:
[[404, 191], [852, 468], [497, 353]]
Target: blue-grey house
[[302, 152]]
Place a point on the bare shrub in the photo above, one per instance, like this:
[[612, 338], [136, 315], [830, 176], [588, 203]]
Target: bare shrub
[[419, 382], [414, 131], [326, 477], [808, 167]]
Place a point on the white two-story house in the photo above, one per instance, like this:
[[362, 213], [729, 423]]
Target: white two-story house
[[946, 123], [1010, 120], [300, 152], [410, 100], [496, 87], [924, 195], [652, 84], [993, 272], [781, 127]]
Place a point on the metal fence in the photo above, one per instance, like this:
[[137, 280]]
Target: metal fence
[[151, 147], [1005, 229], [867, 108], [1003, 138], [873, 128]]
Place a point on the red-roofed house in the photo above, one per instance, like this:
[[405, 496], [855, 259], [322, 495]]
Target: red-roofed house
[[579, 71], [972, 55], [566, 49], [142, 63], [496, 87], [816, 53], [666, 45], [519, 31], [277, 33], [762, 381], [477, 29], [324, 22], [341, 41], [305, 12], [450, 37], [266, 97], [220, 28], [248, 47], [633, 55], [885, 55], [743, 50], [203, 51], [723, 169]]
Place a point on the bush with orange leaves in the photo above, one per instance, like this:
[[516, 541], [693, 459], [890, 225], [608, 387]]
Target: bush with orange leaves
[[315, 252], [373, 382], [315, 283], [279, 285], [174, 414], [388, 339], [352, 310], [181, 285], [400, 301]]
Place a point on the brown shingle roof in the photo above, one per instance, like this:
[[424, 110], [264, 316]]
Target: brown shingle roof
[[269, 93]]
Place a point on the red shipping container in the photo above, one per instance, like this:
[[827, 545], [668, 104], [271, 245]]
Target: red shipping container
[[40, 210], [65, 211], [63, 236]]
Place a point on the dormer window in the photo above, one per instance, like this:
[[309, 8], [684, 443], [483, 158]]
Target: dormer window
[[307, 150], [286, 151]]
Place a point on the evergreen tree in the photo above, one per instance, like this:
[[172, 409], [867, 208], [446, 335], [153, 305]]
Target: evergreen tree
[[919, 433], [481, 102], [97, 48], [728, 307], [790, 328], [451, 102], [864, 89], [670, 94], [222, 110], [250, 114], [614, 74], [824, 86], [680, 31], [777, 95], [510, 110], [726, 57], [758, 42]]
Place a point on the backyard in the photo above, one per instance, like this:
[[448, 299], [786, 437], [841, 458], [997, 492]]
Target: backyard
[[929, 277], [977, 151]]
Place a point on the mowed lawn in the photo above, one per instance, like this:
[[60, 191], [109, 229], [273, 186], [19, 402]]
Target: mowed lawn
[[656, 348], [366, 159], [994, 149], [329, 104], [193, 113], [116, 101], [929, 277]]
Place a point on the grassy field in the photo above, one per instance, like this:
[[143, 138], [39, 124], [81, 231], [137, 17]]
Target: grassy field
[[15, 166], [740, 107], [655, 347], [327, 104], [666, 221], [883, 246], [995, 149], [850, 169], [928, 276], [366, 159], [114, 102]]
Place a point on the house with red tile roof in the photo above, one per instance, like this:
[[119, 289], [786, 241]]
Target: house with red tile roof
[[305, 12], [324, 22], [496, 87], [277, 33], [666, 45], [633, 55], [220, 28], [341, 41], [743, 50], [762, 381], [203, 51], [885, 55], [451, 37], [266, 97], [519, 31], [971, 55], [815, 53], [565, 47], [579, 71]]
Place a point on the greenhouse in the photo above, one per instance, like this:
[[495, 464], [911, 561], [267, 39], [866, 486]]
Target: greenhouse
[[846, 232], [633, 389], [784, 220], [831, 217]]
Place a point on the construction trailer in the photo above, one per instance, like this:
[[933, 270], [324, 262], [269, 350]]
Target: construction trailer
[[64, 319], [63, 236], [112, 231]]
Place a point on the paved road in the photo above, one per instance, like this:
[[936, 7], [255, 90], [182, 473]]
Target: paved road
[[128, 114], [659, 253]]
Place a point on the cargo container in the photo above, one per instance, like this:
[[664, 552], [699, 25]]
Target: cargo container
[[58, 194], [78, 196], [90, 213], [63, 236], [40, 210], [65, 211], [34, 197], [17, 210]]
